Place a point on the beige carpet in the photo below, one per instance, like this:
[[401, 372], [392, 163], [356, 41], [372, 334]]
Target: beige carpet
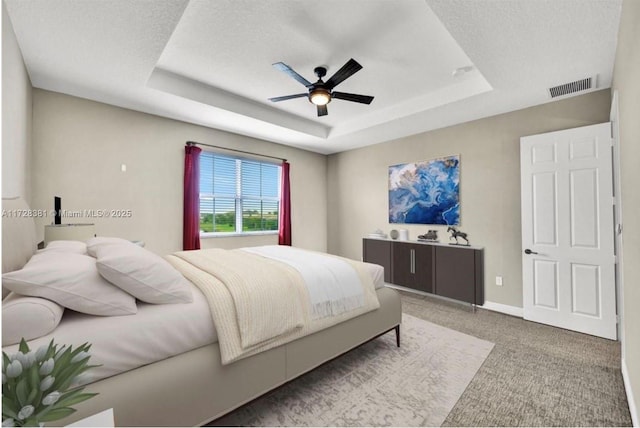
[[377, 384], [536, 375]]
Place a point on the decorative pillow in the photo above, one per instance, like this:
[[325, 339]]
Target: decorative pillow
[[98, 241], [142, 274], [72, 281], [28, 317], [77, 247]]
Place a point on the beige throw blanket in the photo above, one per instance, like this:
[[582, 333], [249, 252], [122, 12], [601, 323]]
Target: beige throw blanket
[[258, 303], [268, 299]]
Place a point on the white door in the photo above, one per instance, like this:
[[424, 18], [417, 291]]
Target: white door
[[567, 230]]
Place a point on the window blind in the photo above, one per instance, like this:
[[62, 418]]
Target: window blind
[[238, 195]]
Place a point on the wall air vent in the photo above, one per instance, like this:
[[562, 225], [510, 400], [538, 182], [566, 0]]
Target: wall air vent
[[572, 87]]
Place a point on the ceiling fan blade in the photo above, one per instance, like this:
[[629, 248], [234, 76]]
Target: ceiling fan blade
[[356, 98], [287, 97], [322, 111], [347, 70], [286, 69]]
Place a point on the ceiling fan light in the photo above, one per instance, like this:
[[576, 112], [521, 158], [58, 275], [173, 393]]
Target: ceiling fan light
[[320, 97]]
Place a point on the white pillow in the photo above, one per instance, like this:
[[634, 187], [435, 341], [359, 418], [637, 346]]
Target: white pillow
[[98, 241], [77, 247], [28, 317], [72, 281], [142, 274]]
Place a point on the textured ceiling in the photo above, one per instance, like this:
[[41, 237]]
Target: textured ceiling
[[209, 61]]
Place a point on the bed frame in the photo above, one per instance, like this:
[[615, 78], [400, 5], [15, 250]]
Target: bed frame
[[194, 388]]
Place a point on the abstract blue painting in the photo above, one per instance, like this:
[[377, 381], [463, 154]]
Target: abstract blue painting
[[425, 192]]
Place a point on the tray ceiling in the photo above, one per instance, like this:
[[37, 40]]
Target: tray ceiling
[[209, 62]]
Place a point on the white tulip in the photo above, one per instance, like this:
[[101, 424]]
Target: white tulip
[[46, 383], [80, 356], [60, 351], [41, 353], [81, 379], [27, 360], [47, 367], [18, 356], [8, 423], [25, 412], [51, 398], [14, 369]]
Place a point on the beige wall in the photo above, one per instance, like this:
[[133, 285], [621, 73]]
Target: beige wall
[[79, 146], [16, 116], [626, 73], [489, 184]]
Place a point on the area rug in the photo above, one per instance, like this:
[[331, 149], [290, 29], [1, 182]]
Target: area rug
[[376, 384]]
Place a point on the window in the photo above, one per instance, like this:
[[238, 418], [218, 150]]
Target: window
[[238, 195]]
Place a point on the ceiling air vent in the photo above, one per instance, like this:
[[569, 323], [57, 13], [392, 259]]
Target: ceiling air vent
[[572, 87]]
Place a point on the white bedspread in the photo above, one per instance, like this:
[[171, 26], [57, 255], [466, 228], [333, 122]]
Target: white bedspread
[[123, 343], [333, 284], [224, 306]]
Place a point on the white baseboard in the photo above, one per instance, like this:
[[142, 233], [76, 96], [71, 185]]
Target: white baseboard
[[627, 387], [505, 309]]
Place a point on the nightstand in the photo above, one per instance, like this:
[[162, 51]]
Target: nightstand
[[102, 419], [69, 232]]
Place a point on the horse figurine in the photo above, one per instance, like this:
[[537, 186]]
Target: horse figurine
[[455, 233]]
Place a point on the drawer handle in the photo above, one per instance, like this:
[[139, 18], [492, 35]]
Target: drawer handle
[[412, 261]]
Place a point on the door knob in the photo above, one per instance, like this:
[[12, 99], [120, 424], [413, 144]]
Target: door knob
[[528, 251]]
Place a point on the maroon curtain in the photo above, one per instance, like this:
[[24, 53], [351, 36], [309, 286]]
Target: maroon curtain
[[191, 226], [284, 221]]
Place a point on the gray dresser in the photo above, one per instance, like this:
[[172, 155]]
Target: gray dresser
[[452, 271]]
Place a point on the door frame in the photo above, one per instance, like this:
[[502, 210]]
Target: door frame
[[614, 118]]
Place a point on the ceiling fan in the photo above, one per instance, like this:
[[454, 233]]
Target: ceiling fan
[[321, 93]]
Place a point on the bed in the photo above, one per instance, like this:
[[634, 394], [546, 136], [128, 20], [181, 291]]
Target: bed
[[169, 371]]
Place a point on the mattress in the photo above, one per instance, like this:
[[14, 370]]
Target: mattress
[[122, 343], [156, 332]]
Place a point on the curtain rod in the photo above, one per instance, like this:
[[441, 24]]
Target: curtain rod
[[193, 143]]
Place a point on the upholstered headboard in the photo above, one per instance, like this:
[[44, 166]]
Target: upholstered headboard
[[18, 234]]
